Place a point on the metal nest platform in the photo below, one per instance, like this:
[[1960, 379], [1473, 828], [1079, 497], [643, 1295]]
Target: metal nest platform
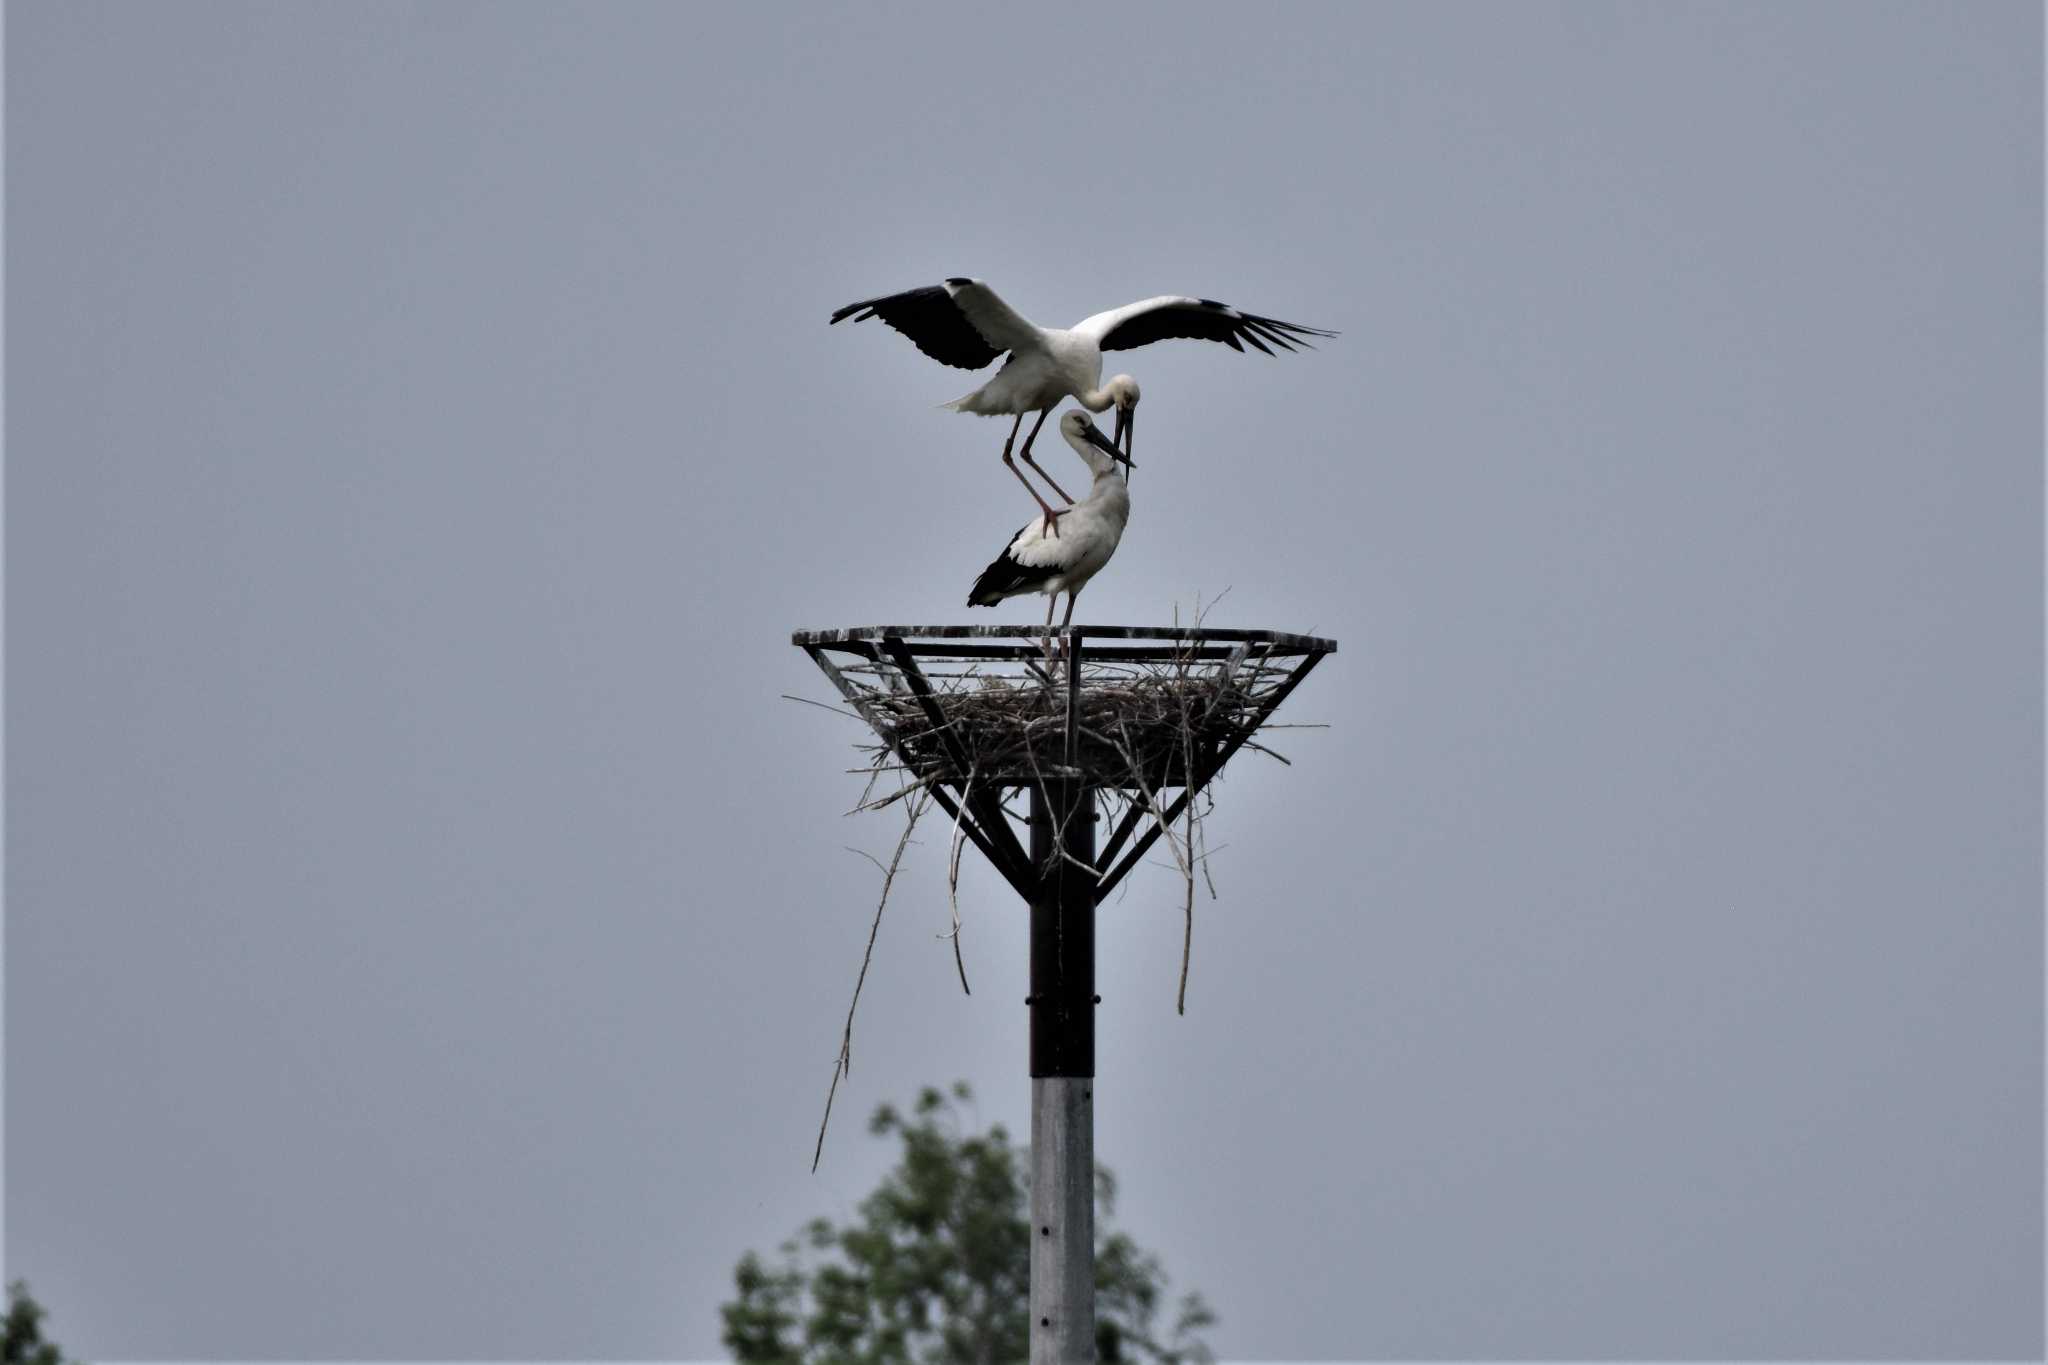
[[1127, 712]]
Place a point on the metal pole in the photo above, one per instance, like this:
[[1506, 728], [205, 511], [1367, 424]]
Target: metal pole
[[1062, 1005]]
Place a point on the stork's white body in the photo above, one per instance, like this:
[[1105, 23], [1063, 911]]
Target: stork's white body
[[1042, 559], [1057, 364], [1089, 533]]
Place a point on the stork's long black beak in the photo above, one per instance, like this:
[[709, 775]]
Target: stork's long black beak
[[1119, 443], [1107, 447]]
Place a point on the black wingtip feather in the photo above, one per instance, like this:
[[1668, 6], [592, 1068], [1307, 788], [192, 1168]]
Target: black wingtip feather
[[1294, 328], [1278, 338], [866, 309]]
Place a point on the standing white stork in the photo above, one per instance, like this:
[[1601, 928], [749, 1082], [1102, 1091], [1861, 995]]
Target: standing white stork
[[1037, 561], [966, 324]]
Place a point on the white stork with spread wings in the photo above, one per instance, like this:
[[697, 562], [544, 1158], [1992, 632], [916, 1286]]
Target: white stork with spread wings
[[966, 324]]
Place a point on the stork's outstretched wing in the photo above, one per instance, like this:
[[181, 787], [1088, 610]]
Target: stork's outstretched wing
[[1176, 315], [962, 323]]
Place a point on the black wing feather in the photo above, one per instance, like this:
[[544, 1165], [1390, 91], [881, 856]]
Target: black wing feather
[[934, 324], [1208, 320], [1006, 577]]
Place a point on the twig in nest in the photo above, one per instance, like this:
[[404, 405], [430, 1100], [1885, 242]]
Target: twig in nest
[[1059, 835], [953, 878], [874, 776], [822, 706], [1181, 860], [843, 1064], [1187, 942], [1157, 812], [907, 789], [1202, 859]]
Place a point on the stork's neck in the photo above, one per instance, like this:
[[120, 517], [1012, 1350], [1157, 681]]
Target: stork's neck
[[1121, 388], [1110, 494]]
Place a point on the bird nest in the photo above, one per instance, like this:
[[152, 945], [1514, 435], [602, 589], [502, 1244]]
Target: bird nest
[[1136, 726], [1115, 716]]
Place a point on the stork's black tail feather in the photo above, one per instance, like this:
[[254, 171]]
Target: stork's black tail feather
[[1006, 578]]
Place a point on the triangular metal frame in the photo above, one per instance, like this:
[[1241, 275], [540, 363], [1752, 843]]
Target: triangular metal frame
[[899, 652]]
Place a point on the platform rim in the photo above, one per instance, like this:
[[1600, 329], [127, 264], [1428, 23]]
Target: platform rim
[[1196, 635]]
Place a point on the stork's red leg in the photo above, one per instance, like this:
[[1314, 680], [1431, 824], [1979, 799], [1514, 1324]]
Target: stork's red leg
[[1052, 518], [1026, 453]]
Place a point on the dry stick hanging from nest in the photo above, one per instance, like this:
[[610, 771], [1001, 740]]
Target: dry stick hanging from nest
[[842, 1065], [1187, 942], [953, 876]]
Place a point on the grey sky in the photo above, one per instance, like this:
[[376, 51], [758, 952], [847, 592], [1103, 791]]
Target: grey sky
[[427, 929]]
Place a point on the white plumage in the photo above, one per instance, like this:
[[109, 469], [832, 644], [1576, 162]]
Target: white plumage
[[1040, 558], [966, 324]]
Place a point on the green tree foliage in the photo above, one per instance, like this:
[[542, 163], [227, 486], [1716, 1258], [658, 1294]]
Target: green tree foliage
[[21, 1337], [936, 1268]]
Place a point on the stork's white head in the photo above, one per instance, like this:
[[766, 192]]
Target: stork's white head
[[1089, 443], [1123, 392]]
